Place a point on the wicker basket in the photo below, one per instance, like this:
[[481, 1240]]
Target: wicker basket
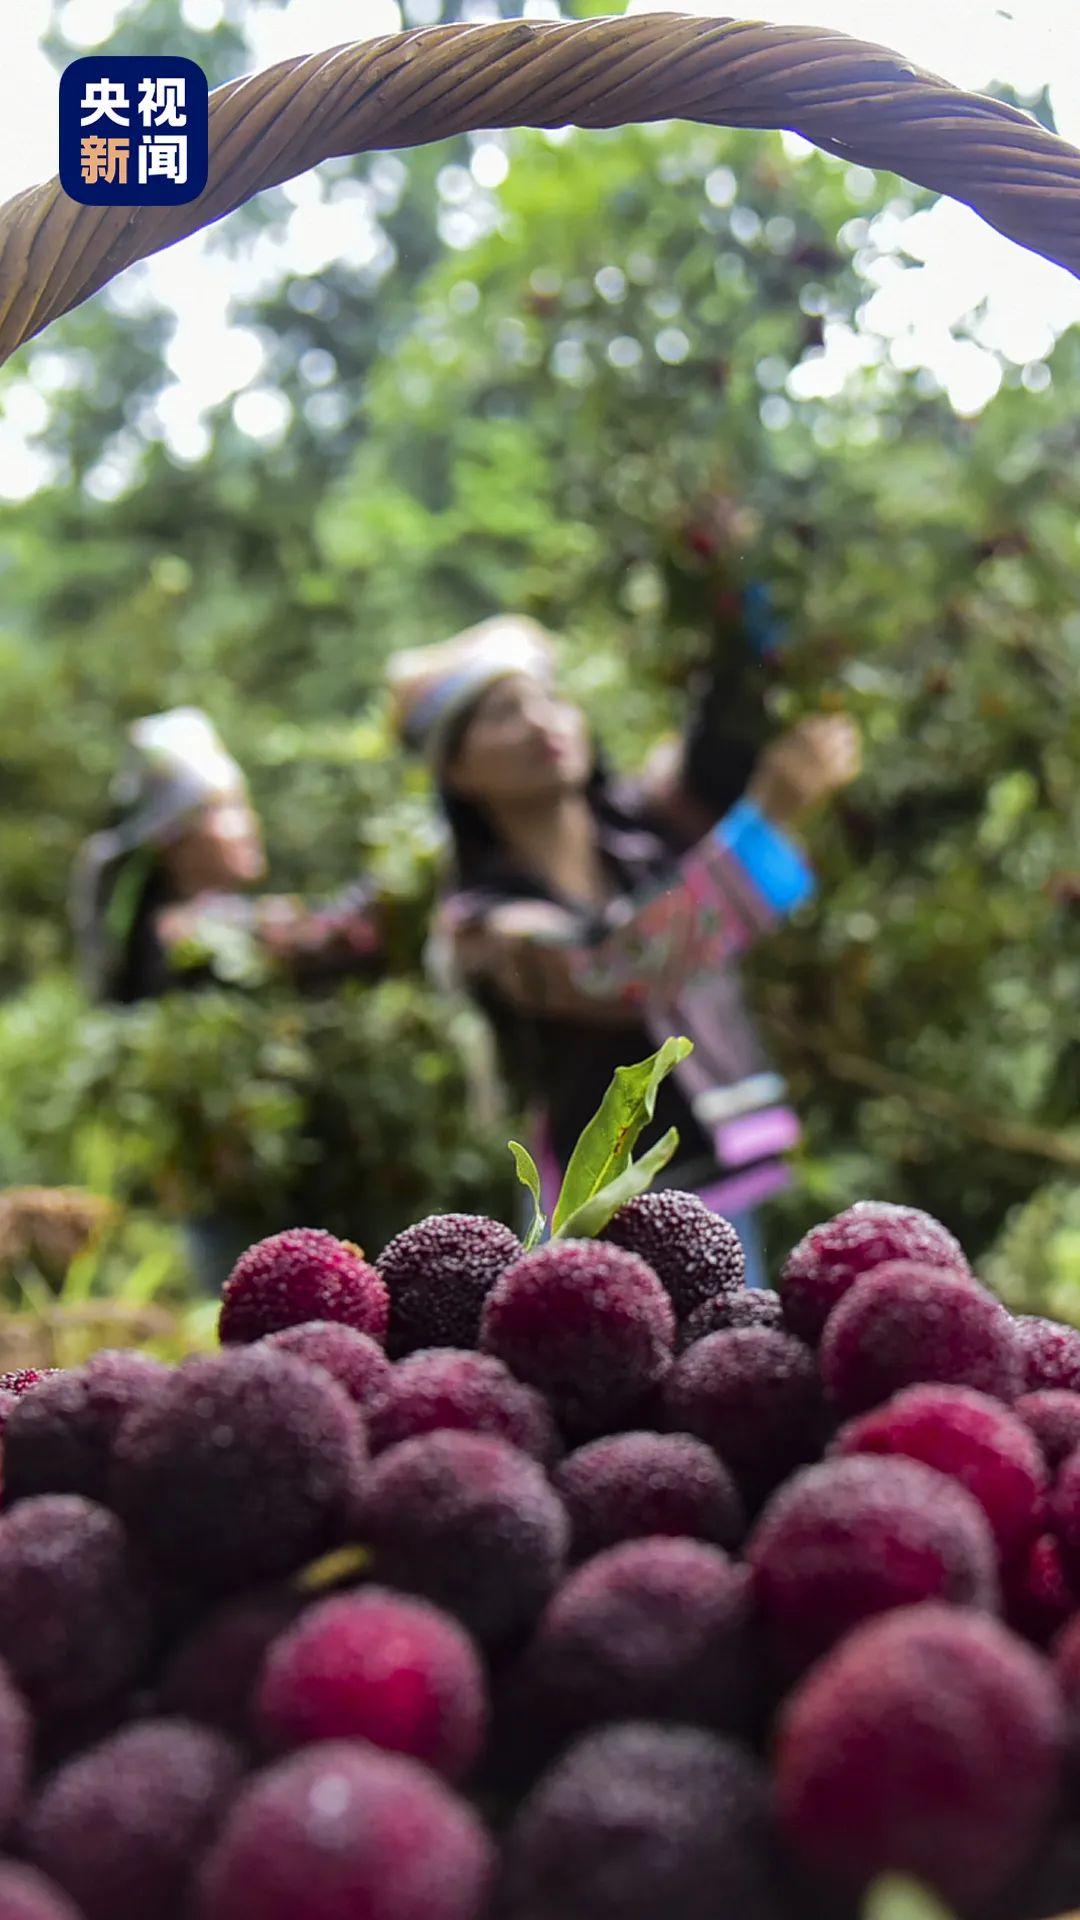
[[853, 99]]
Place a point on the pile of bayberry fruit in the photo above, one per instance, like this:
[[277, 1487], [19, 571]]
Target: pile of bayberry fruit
[[577, 1583]]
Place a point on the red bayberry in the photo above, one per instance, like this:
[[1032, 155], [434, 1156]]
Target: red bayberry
[[832, 1256], [301, 1275], [907, 1324], [851, 1538], [377, 1666], [931, 1743]]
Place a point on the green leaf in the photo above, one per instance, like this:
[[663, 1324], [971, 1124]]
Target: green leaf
[[897, 1898], [605, 1147], [528, 1174], [592, 1217]]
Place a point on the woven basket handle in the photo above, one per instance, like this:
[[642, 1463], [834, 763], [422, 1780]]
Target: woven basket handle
[[849, 97]]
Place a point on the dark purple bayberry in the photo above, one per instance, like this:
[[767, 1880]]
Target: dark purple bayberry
[[25, 1894], [754, 1396], [749, 1307], [354, 1360], [16, 1742], [446, 1388], [243, 1466], [74, 1617], [850, 1538], [694, 1253], [211, 1675], [122, 1828], [439, 1273], [470, 1523], [631, 1484], [60, 1437], [640, 1821], [658, 1629], [589, 1324]]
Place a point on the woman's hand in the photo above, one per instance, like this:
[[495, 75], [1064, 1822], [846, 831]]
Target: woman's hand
[[523, 950], [813, 759], [522, 954]]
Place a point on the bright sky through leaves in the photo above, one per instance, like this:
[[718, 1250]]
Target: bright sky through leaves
[[1027, 43]]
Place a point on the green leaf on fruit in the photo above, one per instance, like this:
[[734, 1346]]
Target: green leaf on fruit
[[605, 1149], [592, 1217], [896, 1898], [529, 1175]]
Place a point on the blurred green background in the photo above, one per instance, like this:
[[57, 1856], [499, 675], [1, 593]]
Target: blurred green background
[[560, 354]]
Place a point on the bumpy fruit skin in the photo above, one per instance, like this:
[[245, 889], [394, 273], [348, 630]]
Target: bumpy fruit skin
[[380, 1667], [908, 1324], [1051, 1354], [1048, 1886], [60, 1437], [16, 1739], [74, 1615], [1038, 1597], [443, 1388], [211, 1676], [301, 1275], [122, 1828], [589, 1324], [354, 1360], [341, 1831], [638, 1821], [25, 1379], [694, 1253], [831, 1257], [628, 1485], [1053, 1416], [470, 1523], [439, 1273], [1066, 1656], [656, 1629], [1063, 1515], [749, 1307], [25, 1894], [851, 1538], [931, 1743], [754, 1396], [244, 1465], [970, 1437]]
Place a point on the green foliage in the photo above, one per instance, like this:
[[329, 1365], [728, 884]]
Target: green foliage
[[529, 1174], [1036, 1260], [263, 1109], [651, 322], [546, 418]]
